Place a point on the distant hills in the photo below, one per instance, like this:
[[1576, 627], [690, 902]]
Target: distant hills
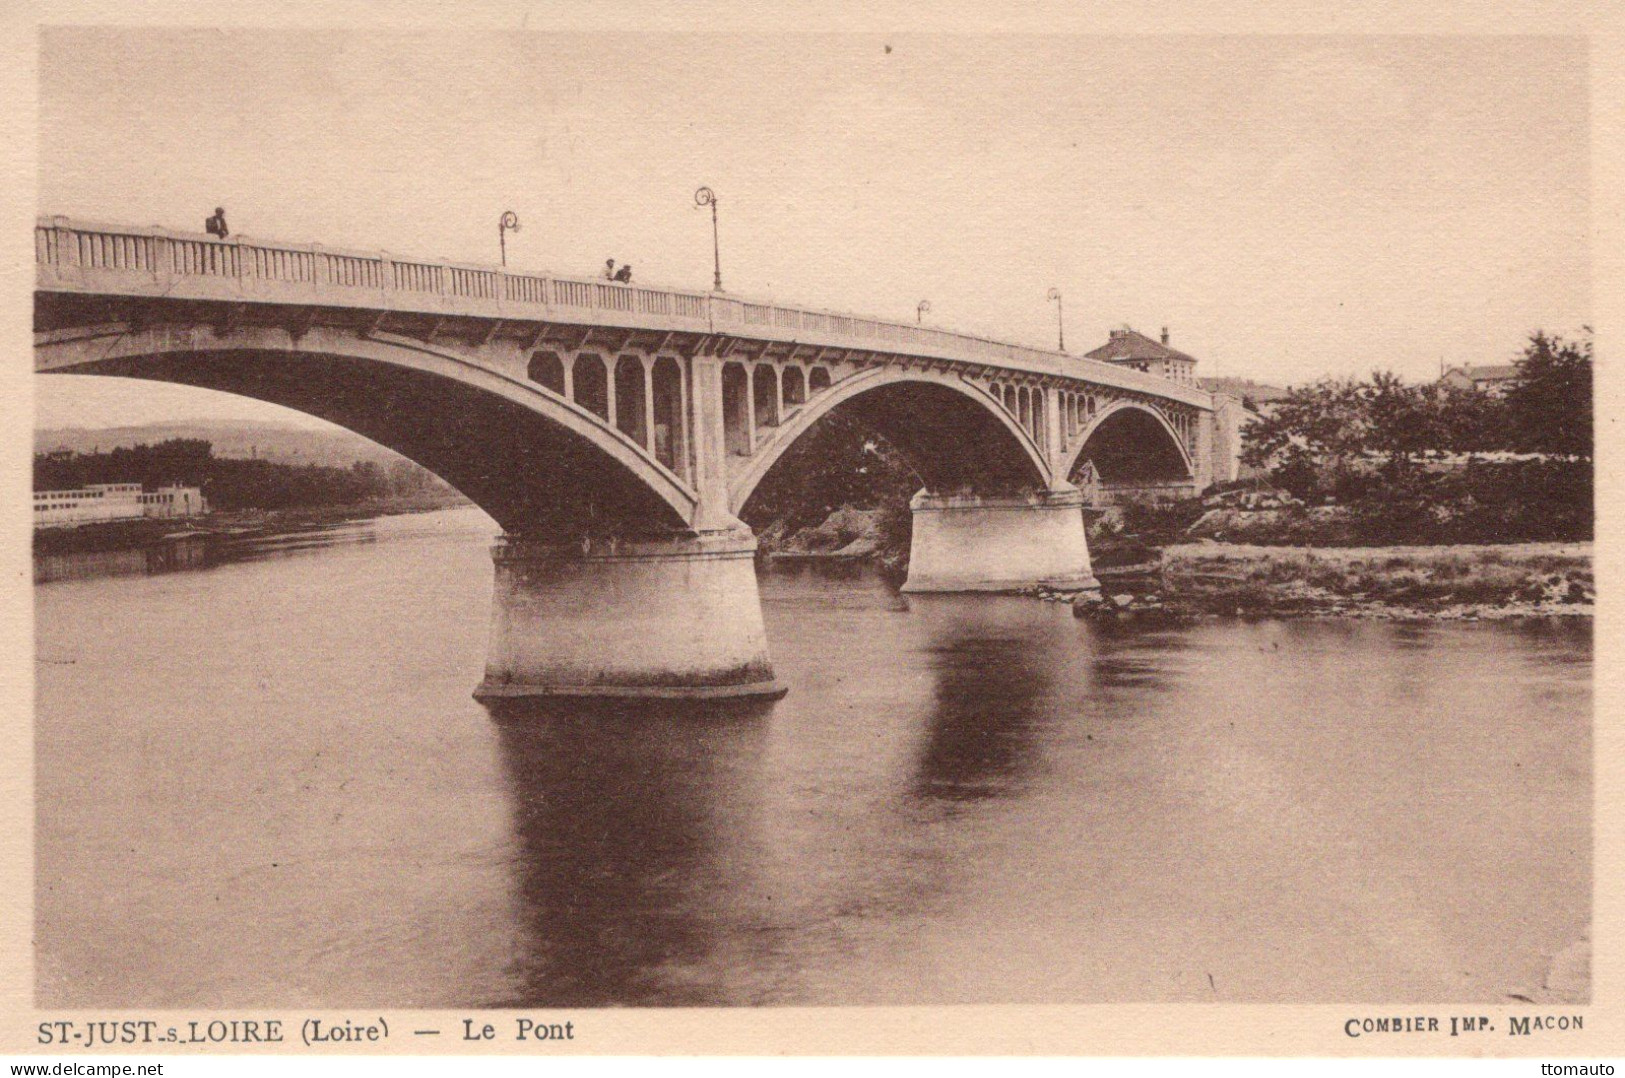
[[279, 442]]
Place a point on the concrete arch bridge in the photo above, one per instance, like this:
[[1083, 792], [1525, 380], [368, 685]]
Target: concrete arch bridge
[[617, 432]]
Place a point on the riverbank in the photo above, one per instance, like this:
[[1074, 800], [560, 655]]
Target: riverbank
[[1476, 582], [1167, 572], [121, 535]]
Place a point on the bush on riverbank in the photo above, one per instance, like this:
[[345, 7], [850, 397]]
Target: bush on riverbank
[[1517, 501], [1431, 463]]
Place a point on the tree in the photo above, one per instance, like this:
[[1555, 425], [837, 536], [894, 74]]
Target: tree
[[1402, 421], [1313, 437], [1469, 419], [1549, 402]]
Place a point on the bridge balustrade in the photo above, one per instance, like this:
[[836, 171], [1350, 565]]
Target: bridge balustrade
[[139, 261], [197, 257], [350, 272], [608, 297], [652, 302], [477, 284], [523, 289], [418, 277], [277, 264], [573, 293]]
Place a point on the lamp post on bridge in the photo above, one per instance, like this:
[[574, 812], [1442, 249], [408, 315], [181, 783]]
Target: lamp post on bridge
[[1060, 319], [508, 223], [919, 311], [707, 197]]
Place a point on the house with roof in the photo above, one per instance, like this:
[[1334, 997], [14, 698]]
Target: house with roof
[[1492, 378], [1127, 347]]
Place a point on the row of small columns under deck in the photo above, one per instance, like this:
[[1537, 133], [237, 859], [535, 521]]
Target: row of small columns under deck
[[1026, 404], [757, 396], [646, 398]]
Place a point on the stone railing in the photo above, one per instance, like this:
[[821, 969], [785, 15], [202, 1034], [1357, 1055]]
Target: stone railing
[[74, 256]]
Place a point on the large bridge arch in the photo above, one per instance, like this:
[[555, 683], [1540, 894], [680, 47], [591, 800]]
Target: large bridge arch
[[538, 463], [1128, 441], [951, 431]]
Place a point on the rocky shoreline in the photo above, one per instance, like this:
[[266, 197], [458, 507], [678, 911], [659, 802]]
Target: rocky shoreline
[[1445, 583], [1155, 579]]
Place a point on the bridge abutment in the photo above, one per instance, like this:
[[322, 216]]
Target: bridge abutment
[[665, 618], [980, 543]]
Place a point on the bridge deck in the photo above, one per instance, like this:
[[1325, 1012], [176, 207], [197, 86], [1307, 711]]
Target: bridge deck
[[79, 257]]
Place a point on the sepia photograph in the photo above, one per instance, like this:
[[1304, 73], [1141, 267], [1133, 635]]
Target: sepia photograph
[[550, 520]]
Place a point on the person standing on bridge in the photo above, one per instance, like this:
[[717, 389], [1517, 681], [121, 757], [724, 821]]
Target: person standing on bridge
[[216, 225], [624, 274], [609, 269]]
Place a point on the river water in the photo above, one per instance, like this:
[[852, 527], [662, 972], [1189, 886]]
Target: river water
[[265, 783]]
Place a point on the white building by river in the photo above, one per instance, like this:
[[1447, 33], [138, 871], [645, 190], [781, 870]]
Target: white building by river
[[114, 501]]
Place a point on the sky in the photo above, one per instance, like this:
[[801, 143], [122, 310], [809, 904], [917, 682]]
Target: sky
[[1289, 207]]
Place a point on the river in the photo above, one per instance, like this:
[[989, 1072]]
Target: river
[[265, 783]]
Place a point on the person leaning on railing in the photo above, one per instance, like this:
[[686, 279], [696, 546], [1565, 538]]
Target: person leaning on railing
[[216, 225]]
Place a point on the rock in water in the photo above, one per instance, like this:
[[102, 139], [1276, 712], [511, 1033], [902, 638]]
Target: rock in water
[[1090, 604]]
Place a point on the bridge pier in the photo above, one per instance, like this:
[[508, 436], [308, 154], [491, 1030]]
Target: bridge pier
[[979, 543], [675, 618]]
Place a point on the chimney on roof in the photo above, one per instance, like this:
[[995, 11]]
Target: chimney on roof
[[1164, 334]]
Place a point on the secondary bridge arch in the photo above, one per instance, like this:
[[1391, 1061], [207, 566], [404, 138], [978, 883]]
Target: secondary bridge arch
[[539, 463], [1130, 440], [950, 430]]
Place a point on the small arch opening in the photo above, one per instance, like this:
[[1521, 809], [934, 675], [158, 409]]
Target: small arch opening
[[670, 446], [765, 393], [1130, 447], [591, 379], [795, 386], [736, 408], [547, 370], [631, 400]]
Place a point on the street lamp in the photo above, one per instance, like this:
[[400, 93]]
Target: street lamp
[[509, 223], [919, 310], [1060, 321], [707, 197]]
